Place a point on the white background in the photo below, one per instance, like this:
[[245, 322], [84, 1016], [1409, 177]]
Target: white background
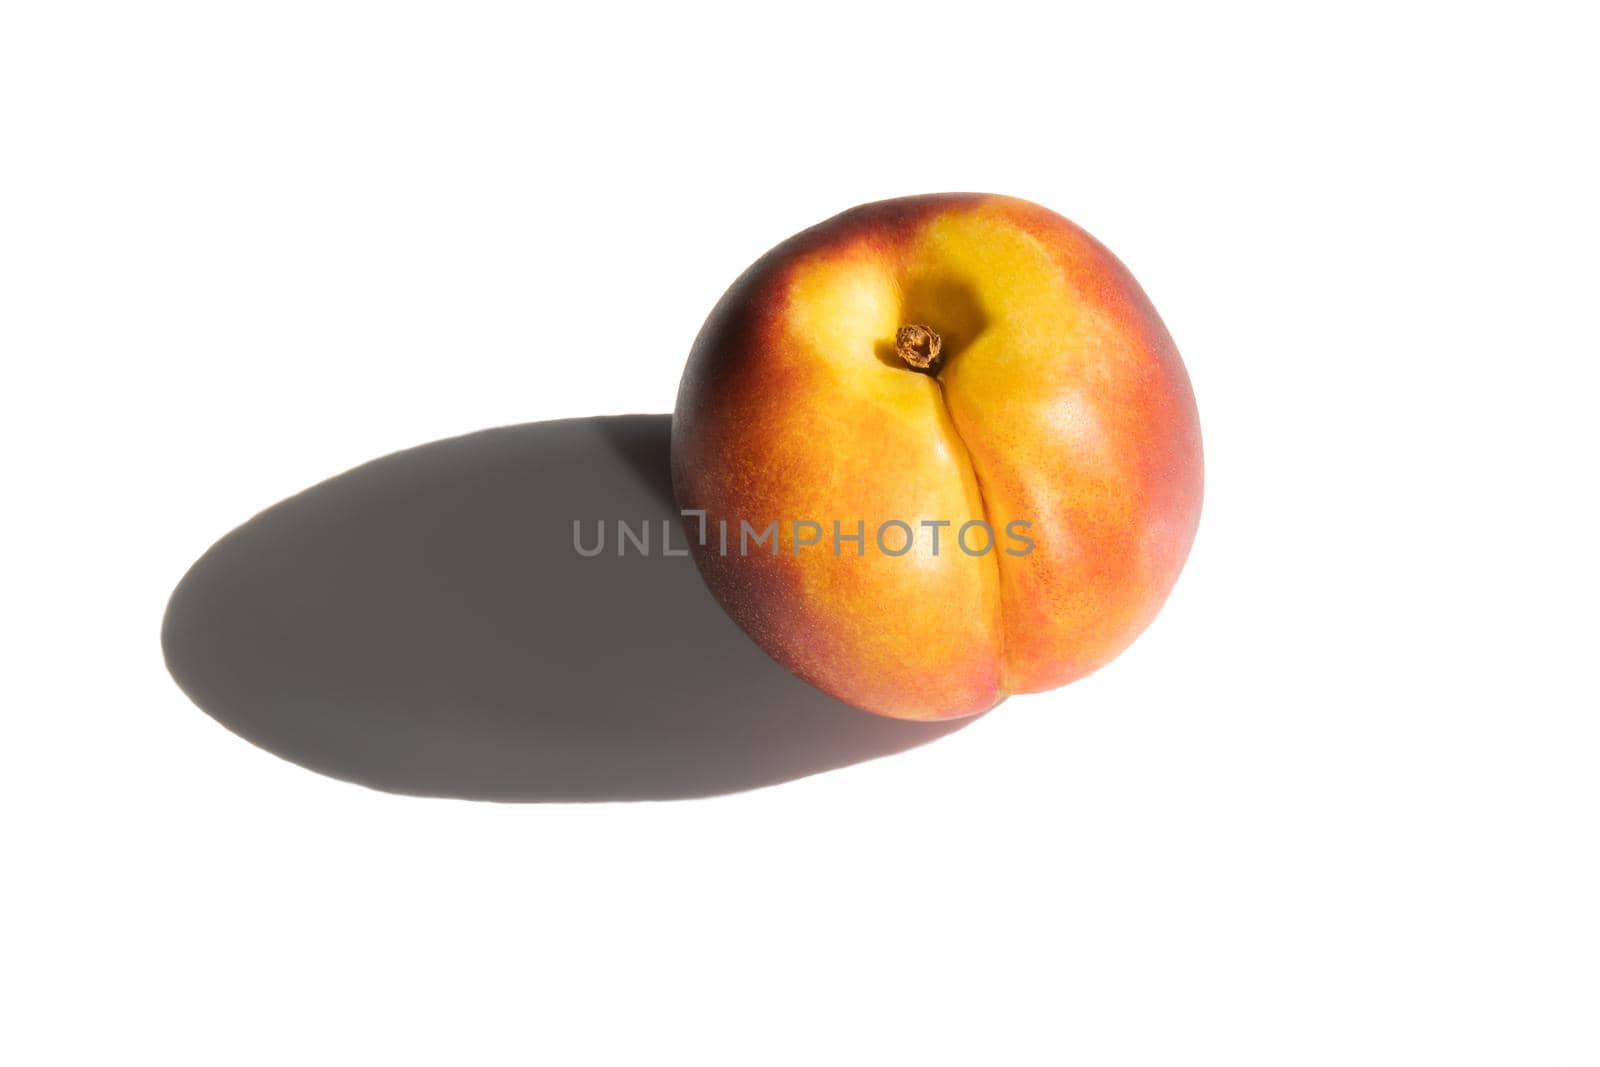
[[1340, 804]]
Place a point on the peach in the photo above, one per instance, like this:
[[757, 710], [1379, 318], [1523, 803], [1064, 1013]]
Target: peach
[[976, 439]]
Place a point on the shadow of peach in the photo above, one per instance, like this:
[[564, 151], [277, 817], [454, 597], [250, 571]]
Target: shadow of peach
[[423, 625]]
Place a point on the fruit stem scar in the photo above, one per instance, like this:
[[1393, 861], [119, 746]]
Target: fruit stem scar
[[917, 345]]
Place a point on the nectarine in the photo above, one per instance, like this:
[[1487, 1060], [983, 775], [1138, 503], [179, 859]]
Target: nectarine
[[976, 438]]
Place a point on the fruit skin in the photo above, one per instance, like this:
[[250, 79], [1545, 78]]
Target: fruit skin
[[1060, 399]]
